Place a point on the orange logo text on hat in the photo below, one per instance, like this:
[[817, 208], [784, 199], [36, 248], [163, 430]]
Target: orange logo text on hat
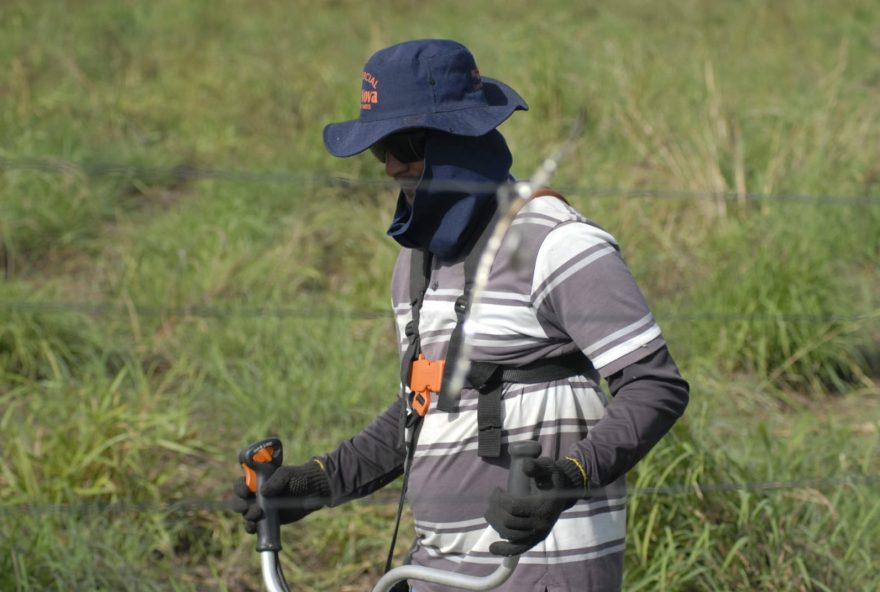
[[369, 97]]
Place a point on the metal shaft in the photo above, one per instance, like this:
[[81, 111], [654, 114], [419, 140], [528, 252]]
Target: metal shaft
[[272, 576], [448, 578]]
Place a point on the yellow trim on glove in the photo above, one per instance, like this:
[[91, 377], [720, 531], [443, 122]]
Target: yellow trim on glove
[[580, 467]]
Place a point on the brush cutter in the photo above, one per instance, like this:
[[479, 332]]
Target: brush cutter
[[259, 461]]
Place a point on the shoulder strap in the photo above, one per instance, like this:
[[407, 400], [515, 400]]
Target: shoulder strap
[[419, 276], [449, 401]]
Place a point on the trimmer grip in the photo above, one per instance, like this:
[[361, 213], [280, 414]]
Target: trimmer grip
[[517, 481], [259, 461], [260, 458]]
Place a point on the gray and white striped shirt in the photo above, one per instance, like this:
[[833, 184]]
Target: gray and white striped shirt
[[566, 288]]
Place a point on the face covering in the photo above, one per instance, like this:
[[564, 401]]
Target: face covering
[[464, 172]]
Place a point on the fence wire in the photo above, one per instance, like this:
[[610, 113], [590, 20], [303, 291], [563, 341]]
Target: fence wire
[[194, 505], [354, 314], [185, 173]]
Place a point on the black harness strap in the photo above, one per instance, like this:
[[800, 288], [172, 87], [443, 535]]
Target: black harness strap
[[488, 379], [448, 401], [419, 277], [418, 285]]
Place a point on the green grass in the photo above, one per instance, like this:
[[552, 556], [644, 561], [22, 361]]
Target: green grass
[[813, 538], [121, 396]]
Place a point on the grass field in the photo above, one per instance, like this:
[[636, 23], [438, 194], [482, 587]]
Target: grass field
[[178, 281]]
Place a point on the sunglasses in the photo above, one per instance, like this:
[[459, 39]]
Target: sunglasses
[[407, 147]]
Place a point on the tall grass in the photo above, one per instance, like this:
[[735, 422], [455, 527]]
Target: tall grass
[[770, 306], [790, 310], [804, 539]]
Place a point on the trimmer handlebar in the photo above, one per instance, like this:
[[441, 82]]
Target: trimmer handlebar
[[518, 483], [259, 461]]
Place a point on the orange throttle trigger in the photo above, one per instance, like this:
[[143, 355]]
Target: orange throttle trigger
[[261, 457], [259, 461], [426, 377]]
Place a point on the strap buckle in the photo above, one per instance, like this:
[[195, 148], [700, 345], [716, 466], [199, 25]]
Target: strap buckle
[[426, 377], [421, 402]]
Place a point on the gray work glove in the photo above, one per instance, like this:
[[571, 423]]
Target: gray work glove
[[302, 489], [525, 521]]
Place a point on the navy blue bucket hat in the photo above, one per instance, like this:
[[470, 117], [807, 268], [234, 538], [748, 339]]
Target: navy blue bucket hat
[[428, 83]]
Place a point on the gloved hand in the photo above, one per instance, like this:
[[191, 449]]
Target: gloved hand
[[303, 489], [525, 521]]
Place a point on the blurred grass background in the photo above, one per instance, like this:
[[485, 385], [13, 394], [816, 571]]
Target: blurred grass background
[[135, 362]]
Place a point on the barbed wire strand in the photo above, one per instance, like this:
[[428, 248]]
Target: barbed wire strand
[[352, 314], [186, 173], [187, 506]]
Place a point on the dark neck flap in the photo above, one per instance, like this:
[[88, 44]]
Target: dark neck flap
[[456, 194]]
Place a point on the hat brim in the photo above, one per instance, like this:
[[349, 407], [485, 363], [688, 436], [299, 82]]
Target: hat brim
[[353, 137]]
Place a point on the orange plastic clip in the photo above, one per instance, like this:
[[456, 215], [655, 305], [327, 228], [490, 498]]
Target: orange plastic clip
[[426, 377]]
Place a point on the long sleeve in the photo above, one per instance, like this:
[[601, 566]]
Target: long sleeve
[[583, 289], [368, 461], [648, 397]]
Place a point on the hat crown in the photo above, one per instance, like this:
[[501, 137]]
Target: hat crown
[[428, 83], [420, 77]]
